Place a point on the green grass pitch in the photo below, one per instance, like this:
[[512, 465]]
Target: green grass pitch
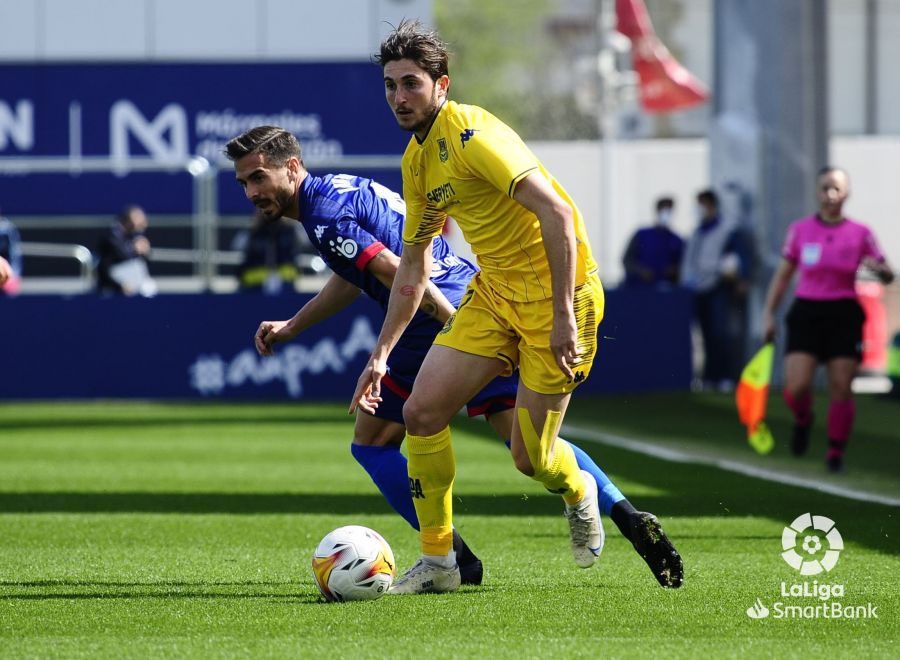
[[173, 530]]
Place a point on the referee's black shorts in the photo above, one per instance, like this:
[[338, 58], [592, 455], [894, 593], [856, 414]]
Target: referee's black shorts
[[826, 328]]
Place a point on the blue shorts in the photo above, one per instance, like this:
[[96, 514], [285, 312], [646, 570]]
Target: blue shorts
[[403, 365]]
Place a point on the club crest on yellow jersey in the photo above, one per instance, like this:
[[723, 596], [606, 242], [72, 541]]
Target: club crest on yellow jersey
[[443, 152]]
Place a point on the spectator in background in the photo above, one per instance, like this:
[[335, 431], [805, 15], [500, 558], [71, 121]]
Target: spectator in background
[[825, 321], [11, 254], [716, 268], [271, 248], [122, 256], [654, 254]]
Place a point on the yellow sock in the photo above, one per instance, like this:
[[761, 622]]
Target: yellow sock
[[558, 473], [432, 468]]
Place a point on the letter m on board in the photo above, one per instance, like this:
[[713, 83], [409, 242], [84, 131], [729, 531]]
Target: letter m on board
[[125, 121]]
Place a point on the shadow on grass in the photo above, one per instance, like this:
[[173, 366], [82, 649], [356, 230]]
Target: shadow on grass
[[684, 490], [75, 589], [236, 416], [140, 594], [710, 419], [256, 503], [154, 583], [689, 491]]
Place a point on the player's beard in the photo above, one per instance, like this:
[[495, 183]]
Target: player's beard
[[430, 114], [281, 201]]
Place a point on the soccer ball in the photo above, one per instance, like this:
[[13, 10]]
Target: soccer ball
[[353, 563]]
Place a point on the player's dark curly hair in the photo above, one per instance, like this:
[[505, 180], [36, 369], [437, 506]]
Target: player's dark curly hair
[[273, 142], [413, 41]]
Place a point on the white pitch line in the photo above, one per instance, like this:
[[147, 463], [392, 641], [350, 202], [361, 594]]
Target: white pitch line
[[679, 456]]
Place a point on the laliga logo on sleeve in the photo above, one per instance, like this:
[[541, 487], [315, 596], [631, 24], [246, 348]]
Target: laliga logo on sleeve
[[807, 532]]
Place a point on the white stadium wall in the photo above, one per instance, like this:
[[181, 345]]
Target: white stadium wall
[[198, 30], [350, 30], [647, 169]]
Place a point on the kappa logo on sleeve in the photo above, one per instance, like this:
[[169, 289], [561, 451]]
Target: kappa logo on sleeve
[[465, 136]]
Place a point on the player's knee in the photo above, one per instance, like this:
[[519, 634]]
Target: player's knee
[[421, 419], [377, 434]]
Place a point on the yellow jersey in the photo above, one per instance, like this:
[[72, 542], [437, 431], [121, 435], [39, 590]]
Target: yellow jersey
[[468, 167]]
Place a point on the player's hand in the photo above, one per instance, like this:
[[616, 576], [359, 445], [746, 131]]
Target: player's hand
[[368, 389], [564, 344], [141, 245], [270, 333]]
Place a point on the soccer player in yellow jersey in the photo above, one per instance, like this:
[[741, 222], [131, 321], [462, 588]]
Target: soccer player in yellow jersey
[[535, 304]]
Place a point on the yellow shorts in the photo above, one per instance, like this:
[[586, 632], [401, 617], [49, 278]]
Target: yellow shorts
[[519, 333]]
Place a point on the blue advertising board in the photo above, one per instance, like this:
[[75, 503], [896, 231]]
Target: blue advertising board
[[179, 347], [200, 347], [170, 112]]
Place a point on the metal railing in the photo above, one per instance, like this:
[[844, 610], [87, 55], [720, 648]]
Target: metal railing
[[186, 256], [203, 174], [87, 265], [65, 251], [205, 220]]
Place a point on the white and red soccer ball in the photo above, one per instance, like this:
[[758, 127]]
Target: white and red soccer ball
[[353, 563]]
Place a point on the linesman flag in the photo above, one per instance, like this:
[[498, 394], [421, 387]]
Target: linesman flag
[[665, 85], [752, 396]]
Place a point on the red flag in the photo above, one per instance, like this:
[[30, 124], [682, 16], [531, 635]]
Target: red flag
[[665, 84]]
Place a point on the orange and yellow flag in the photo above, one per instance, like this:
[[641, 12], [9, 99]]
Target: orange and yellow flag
[[752, 396]]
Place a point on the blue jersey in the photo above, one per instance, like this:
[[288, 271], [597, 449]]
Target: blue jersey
[[350, 220]]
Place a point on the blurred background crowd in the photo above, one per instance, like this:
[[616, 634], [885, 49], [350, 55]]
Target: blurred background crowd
[[690, 132]]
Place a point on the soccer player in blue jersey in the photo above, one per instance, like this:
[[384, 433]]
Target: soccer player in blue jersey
[[356, 225]]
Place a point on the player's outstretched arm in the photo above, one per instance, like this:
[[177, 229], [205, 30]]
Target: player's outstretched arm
[[558, 232], [408, 288], [336, 295], [434, 303]]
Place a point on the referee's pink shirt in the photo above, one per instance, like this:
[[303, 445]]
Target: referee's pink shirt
[[828, 256]]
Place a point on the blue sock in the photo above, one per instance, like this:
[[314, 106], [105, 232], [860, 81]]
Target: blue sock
[[607, 493], [387, 468]]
